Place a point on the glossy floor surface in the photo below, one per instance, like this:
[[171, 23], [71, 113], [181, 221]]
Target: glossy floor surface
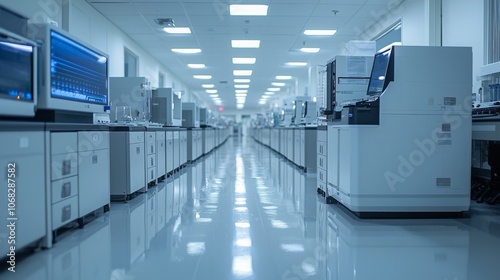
[[243, 212]]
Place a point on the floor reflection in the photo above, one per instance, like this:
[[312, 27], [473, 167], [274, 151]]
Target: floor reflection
[[244, 212]]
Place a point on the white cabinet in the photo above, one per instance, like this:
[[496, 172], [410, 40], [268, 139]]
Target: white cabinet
[[321, 151], [160, 154]]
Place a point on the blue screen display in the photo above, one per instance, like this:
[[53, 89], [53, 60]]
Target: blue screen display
[[77, 72], [379, 73], [16, 71]]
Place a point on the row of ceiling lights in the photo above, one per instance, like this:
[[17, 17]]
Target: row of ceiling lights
[[242, 89]]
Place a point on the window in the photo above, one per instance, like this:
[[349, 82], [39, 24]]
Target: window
[[493, 31], [161, 80], [130, 64]]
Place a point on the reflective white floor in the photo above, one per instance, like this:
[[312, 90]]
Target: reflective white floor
[[245, 213]]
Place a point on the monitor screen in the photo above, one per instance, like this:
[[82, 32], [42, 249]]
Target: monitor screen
[[379, 72], [16, 71], [77, 72]]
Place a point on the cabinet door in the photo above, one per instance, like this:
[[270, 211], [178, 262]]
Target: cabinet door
[[137, 171], [93, 180], [160, 153]]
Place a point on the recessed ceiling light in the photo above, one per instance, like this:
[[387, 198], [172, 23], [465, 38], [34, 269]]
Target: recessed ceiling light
[[241, 91], [177, 30], [310, 50], [273, 89], [244, 60], [187, 51], [214, 95], [283, 77], [242, 72], [248, 10], [266, 96], [320, 32], [241, 80], [240, 102], [296, 63], [241, 86], [240, 106], [262, 102], [211, 91], [278, 84], [245, 43], [196, 66], [207, 86], [241, 94], [268, 93], [202, 77]]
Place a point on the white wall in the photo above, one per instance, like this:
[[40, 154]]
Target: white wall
[[463, 25]]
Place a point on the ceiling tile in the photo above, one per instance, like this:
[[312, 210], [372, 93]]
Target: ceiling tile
[[167, 9], [132, 24], [325, 10], [291, 9], [116, 9]]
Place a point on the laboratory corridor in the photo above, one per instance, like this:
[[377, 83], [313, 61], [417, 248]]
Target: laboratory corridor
[[244, 212]]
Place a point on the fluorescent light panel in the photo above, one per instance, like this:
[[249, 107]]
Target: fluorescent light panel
[[241, 80], [244, 60], [177, 30], [196, 66], [296, 63], [283, 77], [241, 86], [211, 91], [310, 50], [187, 51], [202, 77], [242, 72], [273, 89], [245, 43], [325, 32], [278, 84], [241, 95], [207, 86], [241, 91], [214, 95], [248, 10], [268, 93]]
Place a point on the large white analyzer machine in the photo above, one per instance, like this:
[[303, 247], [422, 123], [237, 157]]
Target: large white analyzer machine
[[166, 107], [404, 148]]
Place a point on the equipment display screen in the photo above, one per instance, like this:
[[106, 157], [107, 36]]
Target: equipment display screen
[[379, 72], [77, 72], [16, 71]]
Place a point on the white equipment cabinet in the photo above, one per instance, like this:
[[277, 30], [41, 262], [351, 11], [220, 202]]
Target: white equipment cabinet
[[321, 152], [128, 174], [23, 145], [169, 151], [176, 150], [150, 157], [402, 150], [183, 146], [161, 154], [93, 172]]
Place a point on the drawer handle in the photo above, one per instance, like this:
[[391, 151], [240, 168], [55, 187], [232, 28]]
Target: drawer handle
[[94, 159], [66, 213], [66, 190], [66, 168], [152, 149]]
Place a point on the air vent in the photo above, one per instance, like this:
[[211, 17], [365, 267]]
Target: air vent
[[223, 82], [165, 21]]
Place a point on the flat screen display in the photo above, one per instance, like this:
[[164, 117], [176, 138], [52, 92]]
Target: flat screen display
[[77, 72], [379, 73], [16, 71]]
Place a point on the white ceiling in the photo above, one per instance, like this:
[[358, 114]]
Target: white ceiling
[[213, 28]]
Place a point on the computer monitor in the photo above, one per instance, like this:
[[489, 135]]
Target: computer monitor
[[379, 76], [74, 74], [17, 76]]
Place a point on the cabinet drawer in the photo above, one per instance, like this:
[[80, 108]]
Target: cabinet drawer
[[322, 136], [63, 142], [321, 148], [151, 143], [322, 162], [64, 212], [93, 140], [151, 174], [176, 134], [63, 166], [322, 175], [169, 135], [64, 188], [136, 137], [151, 161], [160, 135]]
